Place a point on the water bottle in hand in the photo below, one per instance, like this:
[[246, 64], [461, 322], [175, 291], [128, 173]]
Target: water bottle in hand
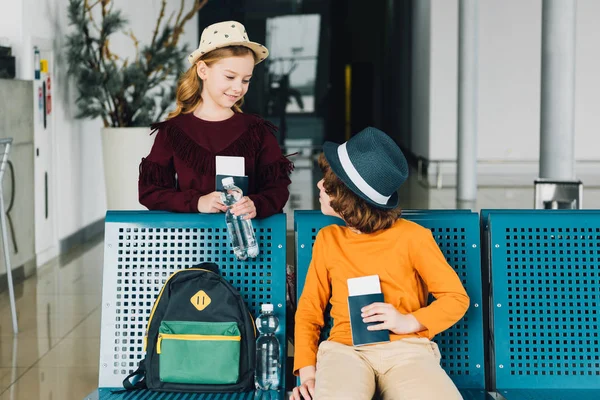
[[241, 232], [268, 368]]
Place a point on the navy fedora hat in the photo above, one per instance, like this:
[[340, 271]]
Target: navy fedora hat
[[371, 165]]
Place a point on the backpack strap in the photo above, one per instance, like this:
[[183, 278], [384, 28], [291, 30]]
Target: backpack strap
[[140, 382]]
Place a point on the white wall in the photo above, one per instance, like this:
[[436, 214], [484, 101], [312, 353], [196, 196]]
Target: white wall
[[11, 21], [443, 78], [509, 83], [80, 178], [421, 66], [510, 35], [587, 81]]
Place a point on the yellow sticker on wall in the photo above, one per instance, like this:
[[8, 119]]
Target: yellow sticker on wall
[[200, 300], [44, 66]]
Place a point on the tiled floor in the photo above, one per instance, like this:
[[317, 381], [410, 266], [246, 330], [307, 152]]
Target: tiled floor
[[55, 355]]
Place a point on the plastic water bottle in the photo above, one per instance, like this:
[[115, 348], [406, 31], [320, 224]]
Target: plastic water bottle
[[268, 368], [241, 232]]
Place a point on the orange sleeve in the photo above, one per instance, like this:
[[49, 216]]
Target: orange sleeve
[[309, 315], [451, 300]]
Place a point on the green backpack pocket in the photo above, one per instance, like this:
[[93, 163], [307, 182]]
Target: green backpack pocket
[[199, 352]]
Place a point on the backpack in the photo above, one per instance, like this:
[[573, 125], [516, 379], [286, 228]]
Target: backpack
[[200, 337]]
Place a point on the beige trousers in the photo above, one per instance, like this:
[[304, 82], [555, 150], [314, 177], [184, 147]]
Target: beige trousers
[[407, 369]]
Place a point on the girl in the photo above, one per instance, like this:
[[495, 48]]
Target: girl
[[360, 183], [179, 173]]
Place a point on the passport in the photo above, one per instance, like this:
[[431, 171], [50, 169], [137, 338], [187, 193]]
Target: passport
[[360, 334], [231, 166]]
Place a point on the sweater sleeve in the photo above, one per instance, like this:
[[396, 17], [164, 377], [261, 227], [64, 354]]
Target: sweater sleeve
[[157, 187], [273, 171], [309, 315], [451, 300]]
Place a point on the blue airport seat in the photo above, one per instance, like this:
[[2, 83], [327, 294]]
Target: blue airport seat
[[457, 234], [142, 249], [545, 274]]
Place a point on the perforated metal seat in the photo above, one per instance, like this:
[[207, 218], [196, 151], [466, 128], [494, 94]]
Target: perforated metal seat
[[457, 235], [142, 249], [546, 297]]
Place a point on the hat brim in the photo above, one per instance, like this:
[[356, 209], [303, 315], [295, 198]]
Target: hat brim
[[330, 150], [256, 48]]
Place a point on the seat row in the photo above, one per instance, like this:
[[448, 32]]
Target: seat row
[[533, 277]]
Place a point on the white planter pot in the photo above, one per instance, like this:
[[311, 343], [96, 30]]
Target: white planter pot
[[123, 149]]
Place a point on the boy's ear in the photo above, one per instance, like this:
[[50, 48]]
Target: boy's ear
[[201, 69]]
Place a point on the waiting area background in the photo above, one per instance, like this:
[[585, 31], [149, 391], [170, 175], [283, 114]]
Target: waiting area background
[[403, 59]]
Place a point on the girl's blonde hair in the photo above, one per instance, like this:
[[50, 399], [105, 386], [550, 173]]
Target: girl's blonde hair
[[189, 88]]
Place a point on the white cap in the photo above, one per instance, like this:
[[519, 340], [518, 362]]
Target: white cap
[[266, 307], [227, 181]]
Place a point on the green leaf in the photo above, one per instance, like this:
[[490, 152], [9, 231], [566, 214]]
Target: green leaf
[[131, 94]]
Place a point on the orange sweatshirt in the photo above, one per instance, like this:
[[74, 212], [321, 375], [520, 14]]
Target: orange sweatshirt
[[409, 264]]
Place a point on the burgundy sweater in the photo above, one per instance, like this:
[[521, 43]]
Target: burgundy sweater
[[181, 165]]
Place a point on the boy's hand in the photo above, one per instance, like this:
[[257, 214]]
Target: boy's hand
[[390, 318], [306, 391]]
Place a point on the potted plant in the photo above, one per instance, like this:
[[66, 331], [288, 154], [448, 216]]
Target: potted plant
[[127, 94]]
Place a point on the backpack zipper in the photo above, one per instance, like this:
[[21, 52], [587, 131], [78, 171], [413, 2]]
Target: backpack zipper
[[171, 336], [253, 324]]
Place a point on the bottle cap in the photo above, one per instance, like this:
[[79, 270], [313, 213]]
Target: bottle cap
[[267, 307], [227, 181]]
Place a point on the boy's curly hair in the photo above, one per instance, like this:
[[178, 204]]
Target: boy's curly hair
[[355, 211]]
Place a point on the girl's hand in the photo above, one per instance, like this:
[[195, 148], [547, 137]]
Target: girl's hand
[[390, 318], [211, 203], [306, 391], [244, 206]]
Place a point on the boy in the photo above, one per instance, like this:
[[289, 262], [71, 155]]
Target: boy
[[360, 183]]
